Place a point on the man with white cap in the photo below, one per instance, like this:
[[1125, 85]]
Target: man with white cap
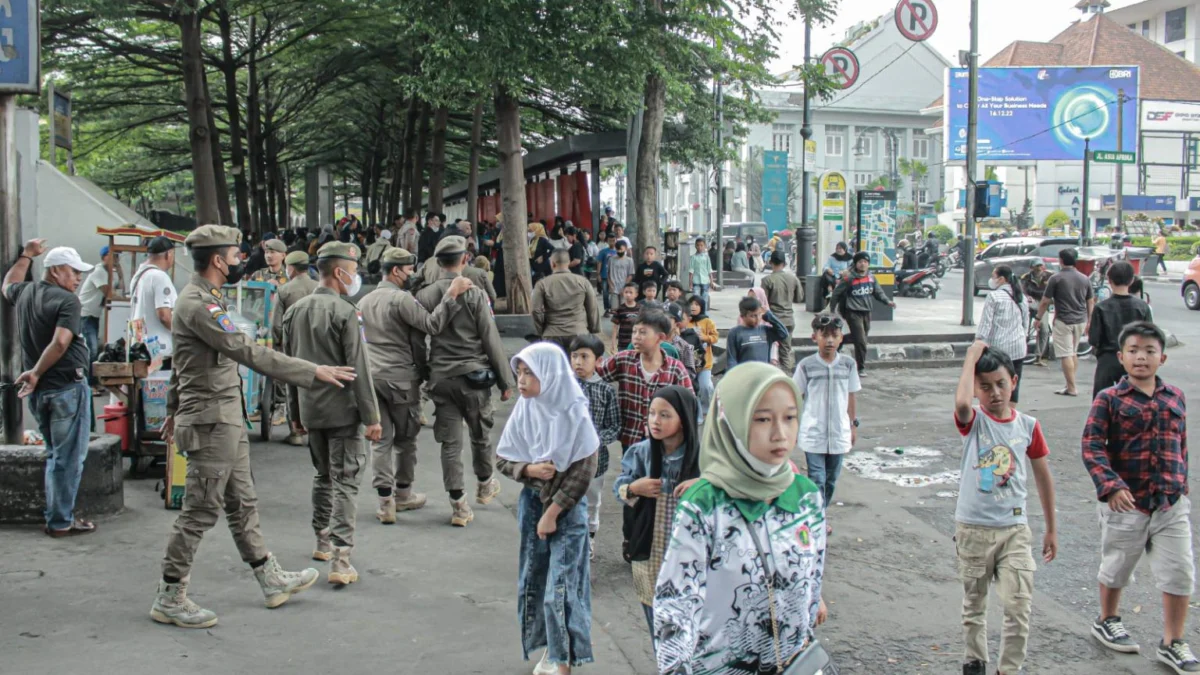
[[152, 293], [55, 360]]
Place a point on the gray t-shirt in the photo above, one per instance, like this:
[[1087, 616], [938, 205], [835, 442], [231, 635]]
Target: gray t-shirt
[[619, 270], [43, 307], [995, 468], [1069, 290]]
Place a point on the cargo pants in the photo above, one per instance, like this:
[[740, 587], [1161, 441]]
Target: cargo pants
[[218, 478], [394, 456], [338, 455], [454, 403], [1006, 555]]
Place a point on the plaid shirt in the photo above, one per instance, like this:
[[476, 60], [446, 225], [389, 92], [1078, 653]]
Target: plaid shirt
[[634, 390], [606, 416], [1138, 443]]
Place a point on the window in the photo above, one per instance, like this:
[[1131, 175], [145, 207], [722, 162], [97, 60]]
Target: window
[[1133, 27], [861, 179], [1146, 28], [1176, 24], [922, 196], [862, 147], [1182, 55], [833, 145], [920, 149]]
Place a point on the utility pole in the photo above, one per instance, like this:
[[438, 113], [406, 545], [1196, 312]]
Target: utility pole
[[10, 246], [720, 180], [968, 307], [1084, 235], [805, 235], [1120, 166]]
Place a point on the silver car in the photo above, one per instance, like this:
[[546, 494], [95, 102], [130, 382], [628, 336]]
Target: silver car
[[1019, 254]]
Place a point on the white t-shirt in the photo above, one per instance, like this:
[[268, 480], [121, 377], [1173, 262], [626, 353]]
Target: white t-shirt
[[91, 298], [151, 290]]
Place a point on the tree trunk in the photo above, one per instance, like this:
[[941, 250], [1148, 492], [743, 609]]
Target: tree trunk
[[419, 157], [473, 171], [224, 210], [437, 166], [284, 194], [253, 135], [517, 277], [646, 195], [237, 156], [205, 182], [410, 140]]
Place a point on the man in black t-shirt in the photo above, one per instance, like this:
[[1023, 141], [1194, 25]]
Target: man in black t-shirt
[[577, 250], [650, 269], [55, 359]]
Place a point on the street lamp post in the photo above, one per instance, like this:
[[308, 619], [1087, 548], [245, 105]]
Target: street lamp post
[[805, 235], [968, 306]]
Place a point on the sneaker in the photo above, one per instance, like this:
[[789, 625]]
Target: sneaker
[[487, 491], [172, 605], [462, 513], [387, 511], [1179, 656], [862, 374], [324, 549], [424, 420], [278, 585], [342, 572], [279, 419], [295, 439], [544, 667], [407, 500], [1112, 634], [974, 668]]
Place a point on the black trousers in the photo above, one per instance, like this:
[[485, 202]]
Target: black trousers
[[1019, 367], [1109, 371], [859, 324]]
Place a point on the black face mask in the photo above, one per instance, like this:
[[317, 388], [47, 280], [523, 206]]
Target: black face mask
[[235, 273], [621, 254]]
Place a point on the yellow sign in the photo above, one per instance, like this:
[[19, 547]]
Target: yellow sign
[[833, 181], [810, 153]]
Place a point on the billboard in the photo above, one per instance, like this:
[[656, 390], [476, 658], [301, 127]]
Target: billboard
[[775, 190], [1138, 202], [877, 226], [1028, 114], [1171, 116]]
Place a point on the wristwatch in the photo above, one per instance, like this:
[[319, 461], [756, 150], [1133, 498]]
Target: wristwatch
[[855, 422]]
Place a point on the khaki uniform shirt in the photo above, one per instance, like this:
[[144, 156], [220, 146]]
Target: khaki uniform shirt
[[288, 295], [265, 274], [564, 304], [396, 325], [783, 289], [205, 385], [471, 342], [431, 272], [324, 328]]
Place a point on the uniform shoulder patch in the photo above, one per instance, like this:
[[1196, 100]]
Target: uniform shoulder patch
[[222, 319], [362, 329]]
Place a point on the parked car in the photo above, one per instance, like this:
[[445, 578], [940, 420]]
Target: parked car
[[730, 231], [1191, 284], [1018, 253]]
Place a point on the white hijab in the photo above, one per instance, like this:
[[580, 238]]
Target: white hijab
[[554, 426]]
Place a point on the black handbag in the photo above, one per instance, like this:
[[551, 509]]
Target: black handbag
[[481, 379]]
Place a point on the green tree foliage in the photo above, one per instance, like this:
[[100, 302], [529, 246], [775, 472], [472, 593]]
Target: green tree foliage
[[1057, 219]]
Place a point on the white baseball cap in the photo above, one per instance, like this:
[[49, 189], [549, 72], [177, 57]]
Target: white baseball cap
[[386, 234], [65, 255]]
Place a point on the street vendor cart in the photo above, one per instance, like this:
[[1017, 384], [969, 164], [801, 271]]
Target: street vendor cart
[[251, 306]]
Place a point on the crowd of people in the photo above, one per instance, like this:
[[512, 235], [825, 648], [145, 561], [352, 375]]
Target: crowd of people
[[726, 536]]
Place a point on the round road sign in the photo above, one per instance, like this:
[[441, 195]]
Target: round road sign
[[842, 66], [916, 19]]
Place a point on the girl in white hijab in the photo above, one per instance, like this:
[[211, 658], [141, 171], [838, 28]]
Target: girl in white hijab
[[549, 445]]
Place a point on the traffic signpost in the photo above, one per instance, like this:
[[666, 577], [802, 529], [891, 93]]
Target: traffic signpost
[[1111, 157], [916, 19], [841, 65]]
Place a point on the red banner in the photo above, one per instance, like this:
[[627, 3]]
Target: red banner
[[583, 201]]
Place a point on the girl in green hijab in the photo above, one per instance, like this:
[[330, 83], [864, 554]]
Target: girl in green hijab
[[748, 540]]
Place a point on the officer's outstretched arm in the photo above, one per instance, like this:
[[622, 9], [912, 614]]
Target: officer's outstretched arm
[[218, 331]]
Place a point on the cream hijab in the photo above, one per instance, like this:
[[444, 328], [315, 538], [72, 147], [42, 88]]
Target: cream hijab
[[554, 426]]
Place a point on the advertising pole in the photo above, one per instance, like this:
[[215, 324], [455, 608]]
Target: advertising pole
[[1120, 166], [1084, 234], [968, 306]]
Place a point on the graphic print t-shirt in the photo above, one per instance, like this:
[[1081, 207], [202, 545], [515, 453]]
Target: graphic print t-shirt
[[995, 468]]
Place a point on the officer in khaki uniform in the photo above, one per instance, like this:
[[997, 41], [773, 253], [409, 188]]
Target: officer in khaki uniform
[[274, 252], [395, 325], [299, 284], [465, 362], [783, 289], [324, 327], [431, 272], [564, 304], [205, 418]]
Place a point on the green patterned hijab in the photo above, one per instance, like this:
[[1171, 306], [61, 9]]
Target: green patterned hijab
[[725, 459]]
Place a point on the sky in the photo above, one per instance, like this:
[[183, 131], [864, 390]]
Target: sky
[[1000, 21]]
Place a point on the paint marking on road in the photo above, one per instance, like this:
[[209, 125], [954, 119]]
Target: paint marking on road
[[887, 463]]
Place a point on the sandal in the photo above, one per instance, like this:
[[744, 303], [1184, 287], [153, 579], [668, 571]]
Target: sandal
[[1064, 392], [78, 526]]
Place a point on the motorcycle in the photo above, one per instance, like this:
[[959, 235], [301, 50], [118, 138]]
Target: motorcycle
[[941, 264], [920, 283]]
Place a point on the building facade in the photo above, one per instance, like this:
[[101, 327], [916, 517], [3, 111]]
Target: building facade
[[1174, 24]]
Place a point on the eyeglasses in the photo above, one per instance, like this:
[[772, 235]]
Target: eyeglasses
[[828, 320]]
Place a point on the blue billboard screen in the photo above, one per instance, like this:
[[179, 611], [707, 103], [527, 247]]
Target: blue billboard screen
[[1042, 113]]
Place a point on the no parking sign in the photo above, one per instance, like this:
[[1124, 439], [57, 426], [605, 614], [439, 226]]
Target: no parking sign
[[841, 65], [916, 19]]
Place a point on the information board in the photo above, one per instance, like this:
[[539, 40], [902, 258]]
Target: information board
[[877, 226]]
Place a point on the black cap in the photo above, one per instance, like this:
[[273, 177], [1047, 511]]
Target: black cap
[[862, 255], [160, 244], [675, 311]]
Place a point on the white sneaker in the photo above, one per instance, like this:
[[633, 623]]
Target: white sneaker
[[544, 668]]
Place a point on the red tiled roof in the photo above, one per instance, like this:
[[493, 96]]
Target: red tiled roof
[[1100, 41]]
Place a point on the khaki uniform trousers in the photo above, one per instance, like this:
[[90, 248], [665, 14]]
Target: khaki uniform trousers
[[394, 456], [338, 455], [787, 352], [1006, 555], [454, 403], [218, 478]]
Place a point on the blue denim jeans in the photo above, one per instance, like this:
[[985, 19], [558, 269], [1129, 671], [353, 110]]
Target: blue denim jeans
[[91, 335], [64, 417], [704, 382], [554, 587], [702, 291], [824, 471]]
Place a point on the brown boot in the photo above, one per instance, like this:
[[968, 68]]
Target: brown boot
[[462, 513], [387, 511], [407, 500], [295, 438], [324, 549], [341, 571]]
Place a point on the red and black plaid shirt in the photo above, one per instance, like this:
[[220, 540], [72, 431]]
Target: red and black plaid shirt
[[634, 390], [1138, 443]]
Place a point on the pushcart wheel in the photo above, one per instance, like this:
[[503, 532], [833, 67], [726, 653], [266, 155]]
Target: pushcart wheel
[[266, 408], [139, 465]]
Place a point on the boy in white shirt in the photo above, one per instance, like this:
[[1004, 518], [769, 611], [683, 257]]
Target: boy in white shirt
[[828, 380]]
